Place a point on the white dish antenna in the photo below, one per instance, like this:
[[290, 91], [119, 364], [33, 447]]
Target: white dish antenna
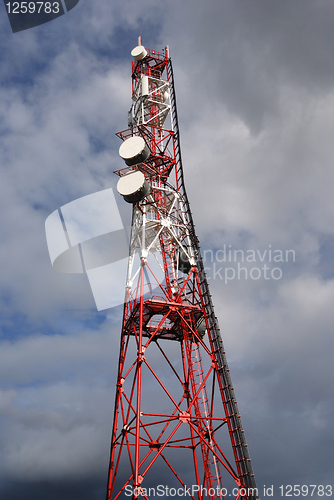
[[139, 52]]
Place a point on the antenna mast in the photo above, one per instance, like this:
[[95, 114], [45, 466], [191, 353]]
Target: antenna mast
[[176, 419]]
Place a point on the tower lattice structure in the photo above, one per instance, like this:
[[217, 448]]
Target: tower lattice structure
[[176, 419]]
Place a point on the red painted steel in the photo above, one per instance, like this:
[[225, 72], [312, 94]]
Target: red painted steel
[[176, 420]]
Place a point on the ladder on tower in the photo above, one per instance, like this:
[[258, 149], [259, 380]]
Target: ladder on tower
[[203, 413]]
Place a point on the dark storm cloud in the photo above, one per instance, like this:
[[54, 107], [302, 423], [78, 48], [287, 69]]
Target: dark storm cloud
[[242, 54], [53, 490]]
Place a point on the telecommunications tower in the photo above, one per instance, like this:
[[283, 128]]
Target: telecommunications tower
[[177, 429]]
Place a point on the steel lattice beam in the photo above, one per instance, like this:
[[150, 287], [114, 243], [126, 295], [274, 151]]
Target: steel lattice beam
[[168, 304]]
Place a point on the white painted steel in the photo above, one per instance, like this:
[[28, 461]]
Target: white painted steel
[[150, 94]]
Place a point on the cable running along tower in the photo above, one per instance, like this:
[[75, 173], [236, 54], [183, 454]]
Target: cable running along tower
[[176, 419]]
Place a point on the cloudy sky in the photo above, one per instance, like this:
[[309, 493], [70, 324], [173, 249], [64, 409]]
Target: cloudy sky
[[255, 93]]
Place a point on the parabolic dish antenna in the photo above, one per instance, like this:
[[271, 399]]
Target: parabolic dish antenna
[[133, 187]]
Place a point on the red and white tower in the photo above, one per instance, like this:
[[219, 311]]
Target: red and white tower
[[176, 421]]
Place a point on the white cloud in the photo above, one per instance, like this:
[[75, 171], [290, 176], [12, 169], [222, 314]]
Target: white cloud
[[56, 421]]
